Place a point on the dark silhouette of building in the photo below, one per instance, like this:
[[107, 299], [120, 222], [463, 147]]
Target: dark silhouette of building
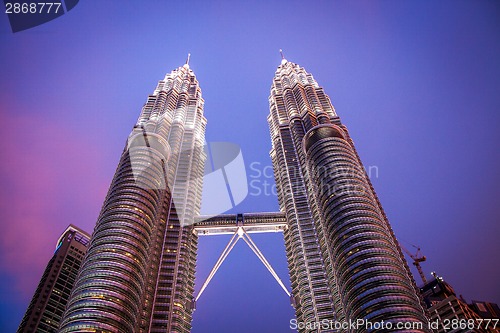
[[49, 301], [452, 313], [486, 310]]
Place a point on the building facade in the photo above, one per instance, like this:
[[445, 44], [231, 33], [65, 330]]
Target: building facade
[[138, 275], [344, 261], [51, 296], [486, 310], [451, 314]]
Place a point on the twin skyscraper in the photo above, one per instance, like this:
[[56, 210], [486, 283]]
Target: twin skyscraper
[[344, 261]]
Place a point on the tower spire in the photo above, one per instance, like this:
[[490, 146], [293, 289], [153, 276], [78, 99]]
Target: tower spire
[[187, 60], [283, 60]]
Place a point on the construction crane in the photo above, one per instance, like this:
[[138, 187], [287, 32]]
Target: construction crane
[[417, 259]]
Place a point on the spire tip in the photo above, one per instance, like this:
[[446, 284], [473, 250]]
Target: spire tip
[[283, 60], [187, 61]]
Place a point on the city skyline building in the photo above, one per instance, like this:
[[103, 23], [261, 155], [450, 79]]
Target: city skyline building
[[51, 296], [452, 313], [343, 258], [138, 275], [486, 310]]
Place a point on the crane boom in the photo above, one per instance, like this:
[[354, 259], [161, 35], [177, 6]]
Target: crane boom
[[417, 259]]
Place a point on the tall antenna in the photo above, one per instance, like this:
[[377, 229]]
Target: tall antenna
[[187, 60]]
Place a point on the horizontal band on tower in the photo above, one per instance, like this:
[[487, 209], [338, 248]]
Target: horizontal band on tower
[[320, 132]]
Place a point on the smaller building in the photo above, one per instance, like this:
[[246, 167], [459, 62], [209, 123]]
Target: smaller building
[[486, 310], [451, 313], [49, 301]]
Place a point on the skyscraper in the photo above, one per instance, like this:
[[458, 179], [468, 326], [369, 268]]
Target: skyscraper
[[344, 261], [138, 275], [47, 305]]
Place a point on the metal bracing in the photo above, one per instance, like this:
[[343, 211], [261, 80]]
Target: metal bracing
[[223, 256], [241, 233], [255, 249]]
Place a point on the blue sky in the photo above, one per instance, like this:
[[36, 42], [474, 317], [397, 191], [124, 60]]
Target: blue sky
[[416, 82]]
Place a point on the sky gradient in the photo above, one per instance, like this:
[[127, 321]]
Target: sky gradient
[[416, 83]]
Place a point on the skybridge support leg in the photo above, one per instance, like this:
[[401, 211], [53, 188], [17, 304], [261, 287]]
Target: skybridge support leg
[[240, 233], [223, 256], [255, 249]]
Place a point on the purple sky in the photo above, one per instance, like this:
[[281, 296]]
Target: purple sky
[[417, 84]]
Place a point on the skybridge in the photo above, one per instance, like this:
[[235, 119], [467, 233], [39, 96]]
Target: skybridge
[[240, 226]]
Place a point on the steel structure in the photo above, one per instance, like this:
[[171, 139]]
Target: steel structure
[[240, 226]]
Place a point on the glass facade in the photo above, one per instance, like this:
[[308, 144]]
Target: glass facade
[[345, 263], [51, 296], [138, 275]]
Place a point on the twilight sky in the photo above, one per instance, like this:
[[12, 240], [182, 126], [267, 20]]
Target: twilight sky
[[416, 82]]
